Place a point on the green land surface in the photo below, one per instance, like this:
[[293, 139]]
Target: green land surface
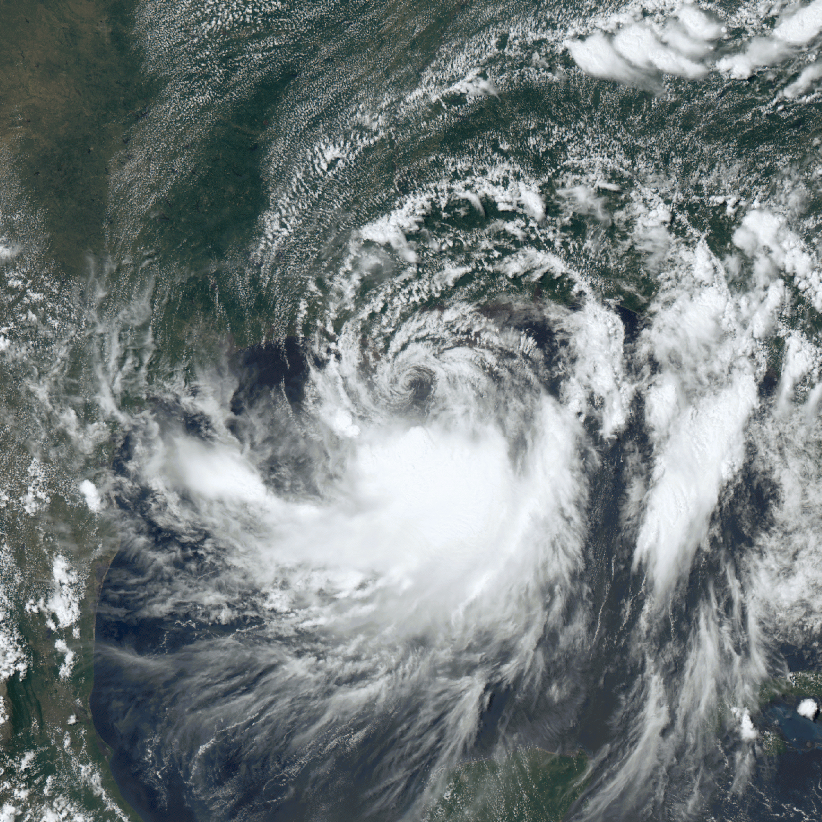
[[528, 786], [71, 93], [796, 686]]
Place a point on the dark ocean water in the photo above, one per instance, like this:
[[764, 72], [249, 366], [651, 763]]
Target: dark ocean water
[[410, 411]]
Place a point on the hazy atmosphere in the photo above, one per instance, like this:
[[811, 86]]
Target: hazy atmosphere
[[410, 411]]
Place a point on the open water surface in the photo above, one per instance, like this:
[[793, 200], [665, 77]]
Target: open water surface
[[394, 392]]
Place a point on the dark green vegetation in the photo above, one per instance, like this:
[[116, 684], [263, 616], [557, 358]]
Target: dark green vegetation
[[78, 109], [530, 786], [70, 88], [73, 95], [42, 703], [797, 685]]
